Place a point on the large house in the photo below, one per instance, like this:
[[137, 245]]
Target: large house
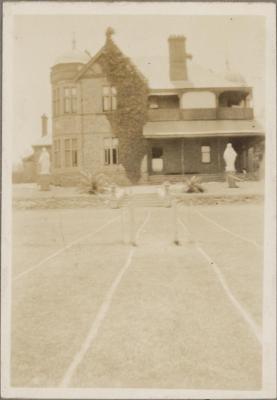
[[191, 114]]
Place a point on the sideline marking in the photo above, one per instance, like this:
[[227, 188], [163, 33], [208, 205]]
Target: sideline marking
[[100, 316], [254, 327], [227, 230], [63, 249]]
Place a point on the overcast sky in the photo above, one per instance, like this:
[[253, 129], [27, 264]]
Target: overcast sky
[[39, 40]]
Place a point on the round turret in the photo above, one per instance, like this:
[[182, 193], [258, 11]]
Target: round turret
[[73, 56], [68, 64]]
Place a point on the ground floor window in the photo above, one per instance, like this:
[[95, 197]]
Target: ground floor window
[[206, 154], [111, 151], [71, 154], [57, 153]]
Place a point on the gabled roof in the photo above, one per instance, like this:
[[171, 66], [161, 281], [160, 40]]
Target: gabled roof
[[89, 63], [96, 57]]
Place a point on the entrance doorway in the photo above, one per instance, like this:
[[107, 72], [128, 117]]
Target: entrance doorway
[[157, 159]]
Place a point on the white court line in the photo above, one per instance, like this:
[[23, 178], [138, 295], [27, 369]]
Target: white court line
[[102, 312], [63, 249], [227, 230], [254, 327]]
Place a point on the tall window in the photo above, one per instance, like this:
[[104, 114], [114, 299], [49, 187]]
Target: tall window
[[70, 100], [56, 101], [57, 153], [111, 151], [74, 152], [205, 154], [71, 153], [109, 98]]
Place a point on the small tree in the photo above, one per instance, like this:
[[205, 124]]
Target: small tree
[[194, 185], [93, 184]]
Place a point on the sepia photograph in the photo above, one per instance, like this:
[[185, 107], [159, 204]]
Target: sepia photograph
[[138, 205]]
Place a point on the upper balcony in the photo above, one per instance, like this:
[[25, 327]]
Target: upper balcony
[[201, 105], [198, 114]]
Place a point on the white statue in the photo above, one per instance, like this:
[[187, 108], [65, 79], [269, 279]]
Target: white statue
[[230, 156], [44, 162]]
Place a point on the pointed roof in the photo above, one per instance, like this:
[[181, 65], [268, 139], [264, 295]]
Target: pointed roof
[[96, 57], [74, 55]]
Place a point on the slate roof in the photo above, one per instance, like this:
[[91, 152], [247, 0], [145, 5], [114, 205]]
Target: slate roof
[[156, 70]]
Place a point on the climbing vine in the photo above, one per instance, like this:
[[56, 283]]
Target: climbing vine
[[128, 119]]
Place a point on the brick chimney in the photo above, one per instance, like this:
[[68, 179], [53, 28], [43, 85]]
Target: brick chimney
[[178, 58], [44, 123]]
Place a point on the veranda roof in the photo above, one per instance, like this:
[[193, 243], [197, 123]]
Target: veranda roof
[[187, 129]]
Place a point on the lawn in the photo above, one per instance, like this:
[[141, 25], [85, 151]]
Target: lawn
[[89, 310]]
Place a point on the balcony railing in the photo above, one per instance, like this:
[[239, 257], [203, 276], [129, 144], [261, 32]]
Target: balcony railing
[[234, 113], [194, 114], [164, 114]]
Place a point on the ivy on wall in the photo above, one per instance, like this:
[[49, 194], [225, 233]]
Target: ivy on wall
[[128, 119]]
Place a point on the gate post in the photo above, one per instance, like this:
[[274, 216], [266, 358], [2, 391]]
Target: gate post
[[132, 219], [113, 200], [122, 225], [167, 196], [175, 223]]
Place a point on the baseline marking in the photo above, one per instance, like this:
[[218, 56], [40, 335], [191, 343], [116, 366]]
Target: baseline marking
[[227, 230], [102, 312], [58, 252], [254, 327]]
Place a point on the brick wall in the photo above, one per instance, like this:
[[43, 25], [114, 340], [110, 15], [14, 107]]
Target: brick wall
[[91, 94], [172, 153], [90, 125]]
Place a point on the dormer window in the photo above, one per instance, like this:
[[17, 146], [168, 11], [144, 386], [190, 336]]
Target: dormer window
[[109, 98], [70, 100]]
